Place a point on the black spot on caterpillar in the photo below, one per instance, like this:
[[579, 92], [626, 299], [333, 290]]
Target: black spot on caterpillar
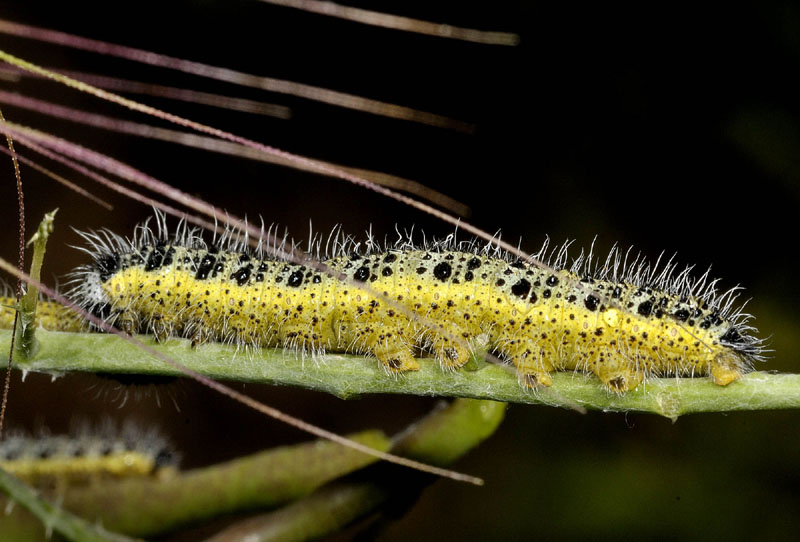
[[537, 319]]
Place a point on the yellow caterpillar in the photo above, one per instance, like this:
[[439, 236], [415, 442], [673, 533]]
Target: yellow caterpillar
[[73, 459], [49, 315], [622, 323]]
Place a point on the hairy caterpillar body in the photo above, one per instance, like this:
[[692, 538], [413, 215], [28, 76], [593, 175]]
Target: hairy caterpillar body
[[48, 460], [622, 322], [49, 315]]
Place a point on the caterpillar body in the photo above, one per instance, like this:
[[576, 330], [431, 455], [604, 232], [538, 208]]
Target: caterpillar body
[[49, 315], [50, 460], [622, 322]]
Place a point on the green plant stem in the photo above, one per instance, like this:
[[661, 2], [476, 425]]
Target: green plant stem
[[349, 376], [439, 439], [26, 343]]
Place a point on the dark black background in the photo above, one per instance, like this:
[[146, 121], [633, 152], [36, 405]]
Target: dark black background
[[671, 129]]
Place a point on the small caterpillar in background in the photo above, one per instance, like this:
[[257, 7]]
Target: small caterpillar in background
[[88, 454], [657, 323], [49, 315]]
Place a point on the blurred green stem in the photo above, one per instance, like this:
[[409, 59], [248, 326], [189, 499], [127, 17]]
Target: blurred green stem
[[53, 517], [440, 439]]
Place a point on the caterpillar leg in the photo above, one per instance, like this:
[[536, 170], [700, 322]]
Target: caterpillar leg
[[532, 365], [127, 322], [389, 345], [395, 354], [725, 368], [198, 334], [450, 347], [396, 360], [618, 377], [161, 330]]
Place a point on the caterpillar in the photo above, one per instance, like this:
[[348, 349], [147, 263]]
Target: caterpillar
[[49, 315], [623, 321], [47, 460]]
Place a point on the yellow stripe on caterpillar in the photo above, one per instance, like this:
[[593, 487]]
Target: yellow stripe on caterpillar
[[657, 323]]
